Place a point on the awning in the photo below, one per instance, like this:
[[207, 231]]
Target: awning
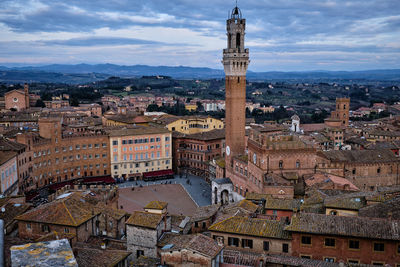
[[157, 173]]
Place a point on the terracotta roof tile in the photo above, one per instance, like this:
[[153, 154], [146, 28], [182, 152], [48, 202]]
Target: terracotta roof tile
[[252, 227], [70, 210], [345, 226]]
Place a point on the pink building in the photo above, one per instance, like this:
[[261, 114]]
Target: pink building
[[9, 174]]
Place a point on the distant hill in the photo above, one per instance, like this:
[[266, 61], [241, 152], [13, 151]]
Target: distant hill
[[82, 73]]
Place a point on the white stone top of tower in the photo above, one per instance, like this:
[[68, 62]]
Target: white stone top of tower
[[235, 56]]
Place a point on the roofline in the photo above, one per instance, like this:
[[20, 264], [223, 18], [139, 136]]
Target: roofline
[[251, 235], [24, 220]]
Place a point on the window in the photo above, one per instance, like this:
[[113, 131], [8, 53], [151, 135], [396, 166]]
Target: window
[[66, 230], [45, 228], [398, 249], [285, 247], [333, 212], [353, 261], [247, 243], [233, 242], [329, 259], [266, 245], [305, 256], [374, 263], [379, 247], [306, 240], [280, 164], [378, 170], [354, 244], [297, 164], [115, 143], [330, 242], [28, 226], [139, 253]]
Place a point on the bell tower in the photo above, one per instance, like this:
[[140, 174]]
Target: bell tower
[[235, 61]]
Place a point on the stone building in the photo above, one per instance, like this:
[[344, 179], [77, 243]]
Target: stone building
[[194, 152], [143, 231], [252, 235], [139, 151], [348, 239], [17, 99]]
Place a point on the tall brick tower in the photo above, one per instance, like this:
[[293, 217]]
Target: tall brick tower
[[342, 111], [235, 61]]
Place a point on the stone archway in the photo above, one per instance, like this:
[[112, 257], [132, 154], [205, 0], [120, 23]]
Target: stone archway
[[224, 197]]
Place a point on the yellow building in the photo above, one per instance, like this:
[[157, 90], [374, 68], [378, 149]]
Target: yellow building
[[191, 107], [139, 151], [191, 124]]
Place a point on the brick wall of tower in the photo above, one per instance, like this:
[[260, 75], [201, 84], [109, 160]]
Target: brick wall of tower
[[235, 114], [342, 111]]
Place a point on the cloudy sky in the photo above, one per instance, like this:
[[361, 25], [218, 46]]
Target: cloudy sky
[[282, 35]]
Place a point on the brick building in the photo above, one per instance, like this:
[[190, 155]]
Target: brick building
[[17, 99], [68, 214], [366, 169], [345, 239], [252, 235], [194, 151], [140, 150], [60, 156]]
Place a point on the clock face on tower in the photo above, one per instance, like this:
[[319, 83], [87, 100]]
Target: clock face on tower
[[228, 150]]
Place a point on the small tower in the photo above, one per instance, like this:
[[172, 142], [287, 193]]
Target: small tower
[[26, 92], [342, 111], [235, 61]]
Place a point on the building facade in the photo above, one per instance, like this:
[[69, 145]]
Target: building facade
[[9, 173], [60, 156], [136, 151]]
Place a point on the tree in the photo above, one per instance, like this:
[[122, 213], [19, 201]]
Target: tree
[[74, 102], [40, 104]]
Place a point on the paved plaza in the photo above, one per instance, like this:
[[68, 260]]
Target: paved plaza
[[182, 194]]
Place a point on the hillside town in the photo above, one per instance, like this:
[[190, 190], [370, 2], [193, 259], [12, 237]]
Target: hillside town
[[121, 183]]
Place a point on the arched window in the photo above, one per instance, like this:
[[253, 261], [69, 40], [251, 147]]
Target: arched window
[[238, 40], [281, 164], [298, 164], [378, 170]]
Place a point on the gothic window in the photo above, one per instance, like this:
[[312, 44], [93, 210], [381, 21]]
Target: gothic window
[[281, 164], [298, 164], [238, 40]]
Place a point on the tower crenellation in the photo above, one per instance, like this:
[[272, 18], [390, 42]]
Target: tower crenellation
[[235, 56]]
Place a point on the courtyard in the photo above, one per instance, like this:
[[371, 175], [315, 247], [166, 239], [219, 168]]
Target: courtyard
[[183, 195]]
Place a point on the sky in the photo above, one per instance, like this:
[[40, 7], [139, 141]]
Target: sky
[[282, 35]]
